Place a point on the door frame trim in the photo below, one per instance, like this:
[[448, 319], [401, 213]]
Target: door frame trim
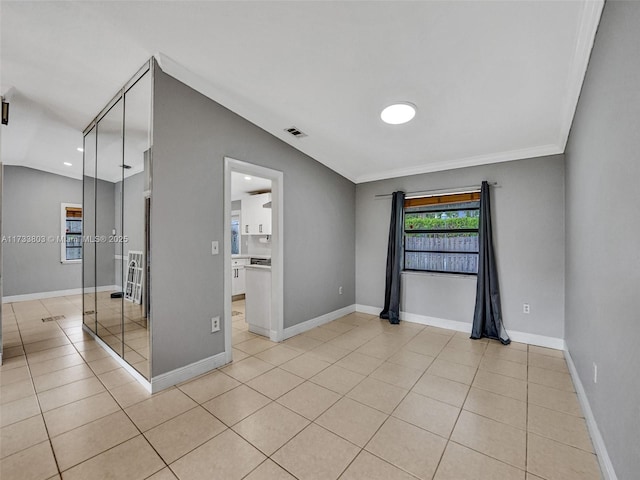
[[277, 250]]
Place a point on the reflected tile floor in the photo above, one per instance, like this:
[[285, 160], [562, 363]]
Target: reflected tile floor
[[356, 398], [136, 336]]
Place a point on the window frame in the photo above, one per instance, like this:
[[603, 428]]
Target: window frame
[[63, 232], [430, 204]]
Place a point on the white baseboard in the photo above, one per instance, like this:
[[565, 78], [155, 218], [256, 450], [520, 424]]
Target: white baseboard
[[168, 379], [316, 322], [187, 372], [538, 340], [436, 322], [132, 371], [265, 332], [606, 467], [57, 293], [368, 309], [524, 337]]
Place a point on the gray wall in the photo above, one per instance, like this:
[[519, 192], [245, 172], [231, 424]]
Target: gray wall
[[133, 225], [192, 135], [106, 222], [528, 222], [31, 206], [602, 255]]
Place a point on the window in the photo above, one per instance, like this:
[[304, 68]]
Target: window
[[71, 245], [441, 233], [235, 233]]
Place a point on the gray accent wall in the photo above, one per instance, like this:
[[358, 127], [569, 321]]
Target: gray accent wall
[[602, 254], [31, 206], [528, 223], [133, 225], [191, 136], [105, 223]]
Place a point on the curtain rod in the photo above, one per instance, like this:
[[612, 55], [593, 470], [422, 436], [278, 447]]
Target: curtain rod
[[426, 193]]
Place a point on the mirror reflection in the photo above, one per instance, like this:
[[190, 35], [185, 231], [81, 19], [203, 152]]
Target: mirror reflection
[[88, 229], [109, 252], [117, 195], [136, 200]]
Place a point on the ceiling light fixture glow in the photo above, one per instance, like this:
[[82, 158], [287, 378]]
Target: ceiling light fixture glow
[[398, 113], [68, 164], [247, 178], [80, 149]]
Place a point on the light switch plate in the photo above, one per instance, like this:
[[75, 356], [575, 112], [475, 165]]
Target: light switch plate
[[214, 247]]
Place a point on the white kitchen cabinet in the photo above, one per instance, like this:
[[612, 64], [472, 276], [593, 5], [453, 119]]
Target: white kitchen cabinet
[[256, 219], [246, 214], [258, 299], [238, 283]]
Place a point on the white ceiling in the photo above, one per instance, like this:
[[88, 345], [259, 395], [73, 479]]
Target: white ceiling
[[492, 80], [241, 187]]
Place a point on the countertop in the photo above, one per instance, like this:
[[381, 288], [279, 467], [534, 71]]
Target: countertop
[[258, 267]]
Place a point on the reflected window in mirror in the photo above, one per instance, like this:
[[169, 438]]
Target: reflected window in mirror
[[235, 234]]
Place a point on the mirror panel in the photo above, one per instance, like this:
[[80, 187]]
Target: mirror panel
[[116, 206], [109, 173], [89, 230], [136, 201]]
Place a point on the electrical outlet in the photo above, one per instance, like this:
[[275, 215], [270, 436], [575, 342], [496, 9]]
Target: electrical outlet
[[595, 372], [340, 290], [526, 308], [215, 324]]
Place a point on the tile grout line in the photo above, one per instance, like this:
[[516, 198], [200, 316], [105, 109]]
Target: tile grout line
[[124, 412], [462, 407], [114, 399], [96, 376], [230, 427], [459, 414], [342, 396], [389, 415], [313, 422], [53, 453]]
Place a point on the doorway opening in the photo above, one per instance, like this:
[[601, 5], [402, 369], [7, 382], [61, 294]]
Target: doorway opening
[[253, 259]]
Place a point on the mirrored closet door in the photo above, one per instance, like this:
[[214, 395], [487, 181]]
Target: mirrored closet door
[[117, 202]]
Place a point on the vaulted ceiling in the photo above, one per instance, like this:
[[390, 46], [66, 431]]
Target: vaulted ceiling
[[492, 80]]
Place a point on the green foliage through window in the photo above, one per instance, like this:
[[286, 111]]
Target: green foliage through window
[[416, 221]]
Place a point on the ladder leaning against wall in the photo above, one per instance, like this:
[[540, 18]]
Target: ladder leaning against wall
[[135, 273]]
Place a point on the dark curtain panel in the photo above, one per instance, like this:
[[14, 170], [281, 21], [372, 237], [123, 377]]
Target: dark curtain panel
[[391, 310], [487, 318]]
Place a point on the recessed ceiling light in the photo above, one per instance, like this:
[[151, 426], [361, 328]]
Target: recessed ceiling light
[[247, 178], [80, 149], [68, 164], [398, 113]]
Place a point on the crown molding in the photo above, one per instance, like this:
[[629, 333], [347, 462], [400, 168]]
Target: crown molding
[[589, 22], [532, 152]]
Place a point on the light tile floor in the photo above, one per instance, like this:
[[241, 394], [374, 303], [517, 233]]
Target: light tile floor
[[129, 338], [354, 399]]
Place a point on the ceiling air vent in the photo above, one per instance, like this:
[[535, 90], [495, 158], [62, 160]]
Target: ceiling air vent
[[295, 132]]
